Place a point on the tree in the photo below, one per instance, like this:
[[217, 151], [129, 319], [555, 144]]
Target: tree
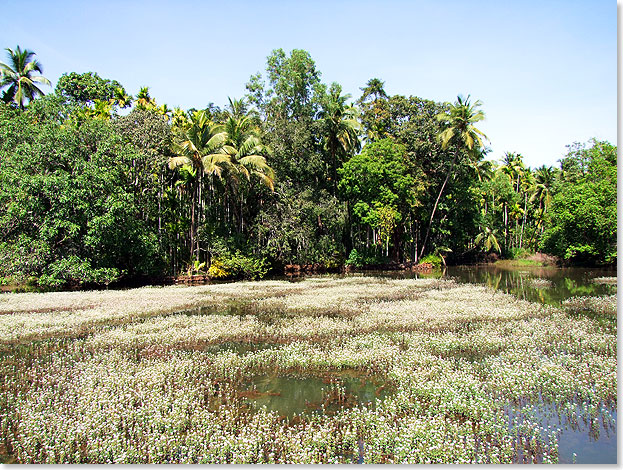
[[374, 88], [246, 155], [144, 100], [373, 103], [245, 151], [459, 129], [489, 239], [381, 190], [581, 225], [340, 128], [89, 87], [197, 151], [18, 76], [67, 212]]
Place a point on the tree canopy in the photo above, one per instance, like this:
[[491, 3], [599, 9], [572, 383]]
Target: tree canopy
[[295, 171]]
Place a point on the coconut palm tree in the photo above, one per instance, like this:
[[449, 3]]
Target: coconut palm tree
[[544, 180], [18, 76], [340, 128], [247, 160], [374, 88], [459, 129], [198, 150], [246, 151]]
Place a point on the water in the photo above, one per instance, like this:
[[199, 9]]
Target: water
[[550, 285], [295, 395], [580, 442], [526, 282]]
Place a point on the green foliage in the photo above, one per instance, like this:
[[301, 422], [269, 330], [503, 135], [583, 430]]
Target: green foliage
[[238, 266], [18, 76], [363, 257], [87, 88], [67, 209], [433, 259], [582, 217], [355, 259], [88, 196], [73, 270]]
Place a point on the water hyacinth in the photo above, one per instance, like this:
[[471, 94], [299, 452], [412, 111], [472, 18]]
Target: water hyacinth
[[162, 375]]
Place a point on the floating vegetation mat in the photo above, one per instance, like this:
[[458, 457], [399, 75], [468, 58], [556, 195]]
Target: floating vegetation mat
[[325, 370]]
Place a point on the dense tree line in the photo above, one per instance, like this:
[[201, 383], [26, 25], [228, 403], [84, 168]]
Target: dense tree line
[[98, 186]]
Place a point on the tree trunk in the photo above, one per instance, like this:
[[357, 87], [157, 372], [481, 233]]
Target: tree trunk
[[443, 186]]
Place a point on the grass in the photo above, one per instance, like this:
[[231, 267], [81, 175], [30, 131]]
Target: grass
[[148, 375], [521, 262]]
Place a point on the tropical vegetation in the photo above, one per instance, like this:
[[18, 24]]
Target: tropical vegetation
[[98, 186]]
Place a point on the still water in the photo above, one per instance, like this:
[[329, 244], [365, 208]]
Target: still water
[[578, 442], [548, 285]]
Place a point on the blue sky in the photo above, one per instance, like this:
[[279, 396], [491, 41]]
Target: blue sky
[[544, 70]]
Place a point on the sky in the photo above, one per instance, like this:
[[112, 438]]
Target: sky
[[545, 71]]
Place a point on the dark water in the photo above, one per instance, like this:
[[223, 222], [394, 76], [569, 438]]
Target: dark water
[[580, 441]]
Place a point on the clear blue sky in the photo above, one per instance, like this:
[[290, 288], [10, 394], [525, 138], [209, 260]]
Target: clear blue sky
[[544, 70]]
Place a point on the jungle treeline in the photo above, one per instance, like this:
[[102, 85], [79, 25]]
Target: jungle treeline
[[98, 186]]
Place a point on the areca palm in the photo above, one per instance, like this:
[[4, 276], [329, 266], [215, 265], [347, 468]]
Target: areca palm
[[340, 128], [198, 151], [120, 98], [459, 129], [514, 167], [144, 100], [19, 76]]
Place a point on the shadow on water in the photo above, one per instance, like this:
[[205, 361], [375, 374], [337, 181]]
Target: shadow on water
[[290, 395]]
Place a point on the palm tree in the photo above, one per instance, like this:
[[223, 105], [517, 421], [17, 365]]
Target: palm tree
[[340, 128], [489, 239], [514, 167], [180, 119], [543, 182], [544, 179], [459, 129], [244, 148], [198, 151], [120, 98], [373, 102], [19, 77], [374, 87], [247, 160], [143, 100]]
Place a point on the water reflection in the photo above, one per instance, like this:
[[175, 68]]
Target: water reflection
[[548, 285], [294, 395]]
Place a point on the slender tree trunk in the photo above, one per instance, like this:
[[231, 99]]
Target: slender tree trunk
[[443, 186], [523, 223]]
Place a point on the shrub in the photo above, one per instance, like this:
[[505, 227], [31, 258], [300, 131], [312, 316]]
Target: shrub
[[355, 259], [238, 266], [435, 260]]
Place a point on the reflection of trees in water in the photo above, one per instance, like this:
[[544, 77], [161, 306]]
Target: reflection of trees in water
[[565, 283]]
